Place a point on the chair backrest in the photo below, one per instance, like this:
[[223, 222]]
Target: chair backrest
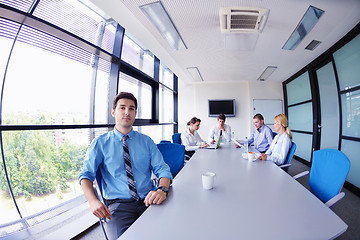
[[328, 172], [173, 155], [165, 141], [100, 197], [99, 185], [290, 153], [176, 138], [274, 134]]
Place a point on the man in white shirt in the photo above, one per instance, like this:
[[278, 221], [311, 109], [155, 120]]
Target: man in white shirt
[[221, 129]]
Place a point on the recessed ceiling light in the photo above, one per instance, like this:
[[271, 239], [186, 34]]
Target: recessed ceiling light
[[268, 71], [195, 73], [161, 19], [307, 23]]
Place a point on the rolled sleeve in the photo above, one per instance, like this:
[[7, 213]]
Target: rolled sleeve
[[91, 163]]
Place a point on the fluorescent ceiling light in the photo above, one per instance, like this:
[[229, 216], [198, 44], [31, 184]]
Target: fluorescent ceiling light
[[268, 71], [307, 23], [160, 18], [195, 73]]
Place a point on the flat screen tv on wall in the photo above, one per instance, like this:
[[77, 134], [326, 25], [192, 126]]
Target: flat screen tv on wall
[[225, 106]]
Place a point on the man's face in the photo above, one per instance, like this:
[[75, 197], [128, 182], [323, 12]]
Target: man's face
[[258, 123], [221, 122], [124, 113]]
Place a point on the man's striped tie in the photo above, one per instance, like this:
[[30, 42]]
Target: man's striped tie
[[129, 172]]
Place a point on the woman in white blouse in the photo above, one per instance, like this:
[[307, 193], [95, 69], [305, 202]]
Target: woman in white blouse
[[220, 129], [281, 144], [191, 138]]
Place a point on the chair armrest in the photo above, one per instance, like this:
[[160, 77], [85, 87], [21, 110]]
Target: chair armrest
[[335, 199], [154, 180], [96, 193], [301, 174], [285, 165]]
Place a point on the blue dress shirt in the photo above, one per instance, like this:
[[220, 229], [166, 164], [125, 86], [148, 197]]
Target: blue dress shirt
[[262, 138], [106, 153]]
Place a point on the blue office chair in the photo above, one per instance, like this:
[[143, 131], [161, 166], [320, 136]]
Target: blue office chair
[[98, 193], [165, 141], [176, 138], [289, 156], [173, 155], [328, 172]]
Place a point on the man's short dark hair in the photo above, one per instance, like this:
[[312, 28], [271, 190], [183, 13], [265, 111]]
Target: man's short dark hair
[[258, 116], [126, 95], [221, 116]]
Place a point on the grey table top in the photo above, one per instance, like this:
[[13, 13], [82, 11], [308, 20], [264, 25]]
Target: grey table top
[[250, 200]]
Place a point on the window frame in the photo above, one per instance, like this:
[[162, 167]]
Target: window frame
[[117, 66]]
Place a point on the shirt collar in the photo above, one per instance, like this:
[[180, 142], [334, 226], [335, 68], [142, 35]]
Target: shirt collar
[[188, 130], [120, 135], [262, 128]]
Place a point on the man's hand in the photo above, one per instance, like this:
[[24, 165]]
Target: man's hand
[[155, 197], [263, 156], [99, 209]]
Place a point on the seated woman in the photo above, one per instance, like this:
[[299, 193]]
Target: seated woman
[[220, 129], [191, 138], [281, 144]]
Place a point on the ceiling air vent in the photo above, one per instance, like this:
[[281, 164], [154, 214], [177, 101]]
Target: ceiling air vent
[[242, 19], [312, 45]]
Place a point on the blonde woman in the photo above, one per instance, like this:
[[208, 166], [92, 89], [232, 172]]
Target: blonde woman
[[281, 144]]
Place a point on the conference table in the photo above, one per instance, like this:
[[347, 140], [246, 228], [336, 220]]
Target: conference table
[[250, 200]]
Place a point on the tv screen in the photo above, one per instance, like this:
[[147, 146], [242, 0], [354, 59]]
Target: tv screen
[[225, 106]]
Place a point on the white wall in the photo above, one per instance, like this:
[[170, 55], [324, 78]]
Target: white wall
[[193, 102], [265, 90]]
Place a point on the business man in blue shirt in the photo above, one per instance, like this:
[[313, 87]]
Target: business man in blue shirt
[[126, 197], [262, 136]]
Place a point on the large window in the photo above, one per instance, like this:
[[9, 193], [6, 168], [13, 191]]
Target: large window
[[347, 62], [323, 104], [57, 77], [141, 91], [137, 56], [61, 84], [166, 95], [300, 114]]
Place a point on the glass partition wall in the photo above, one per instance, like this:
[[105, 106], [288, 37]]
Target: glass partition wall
[[58, 79], [322, 102]]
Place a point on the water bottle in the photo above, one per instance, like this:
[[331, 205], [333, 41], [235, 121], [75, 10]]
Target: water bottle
[[246, 148]]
